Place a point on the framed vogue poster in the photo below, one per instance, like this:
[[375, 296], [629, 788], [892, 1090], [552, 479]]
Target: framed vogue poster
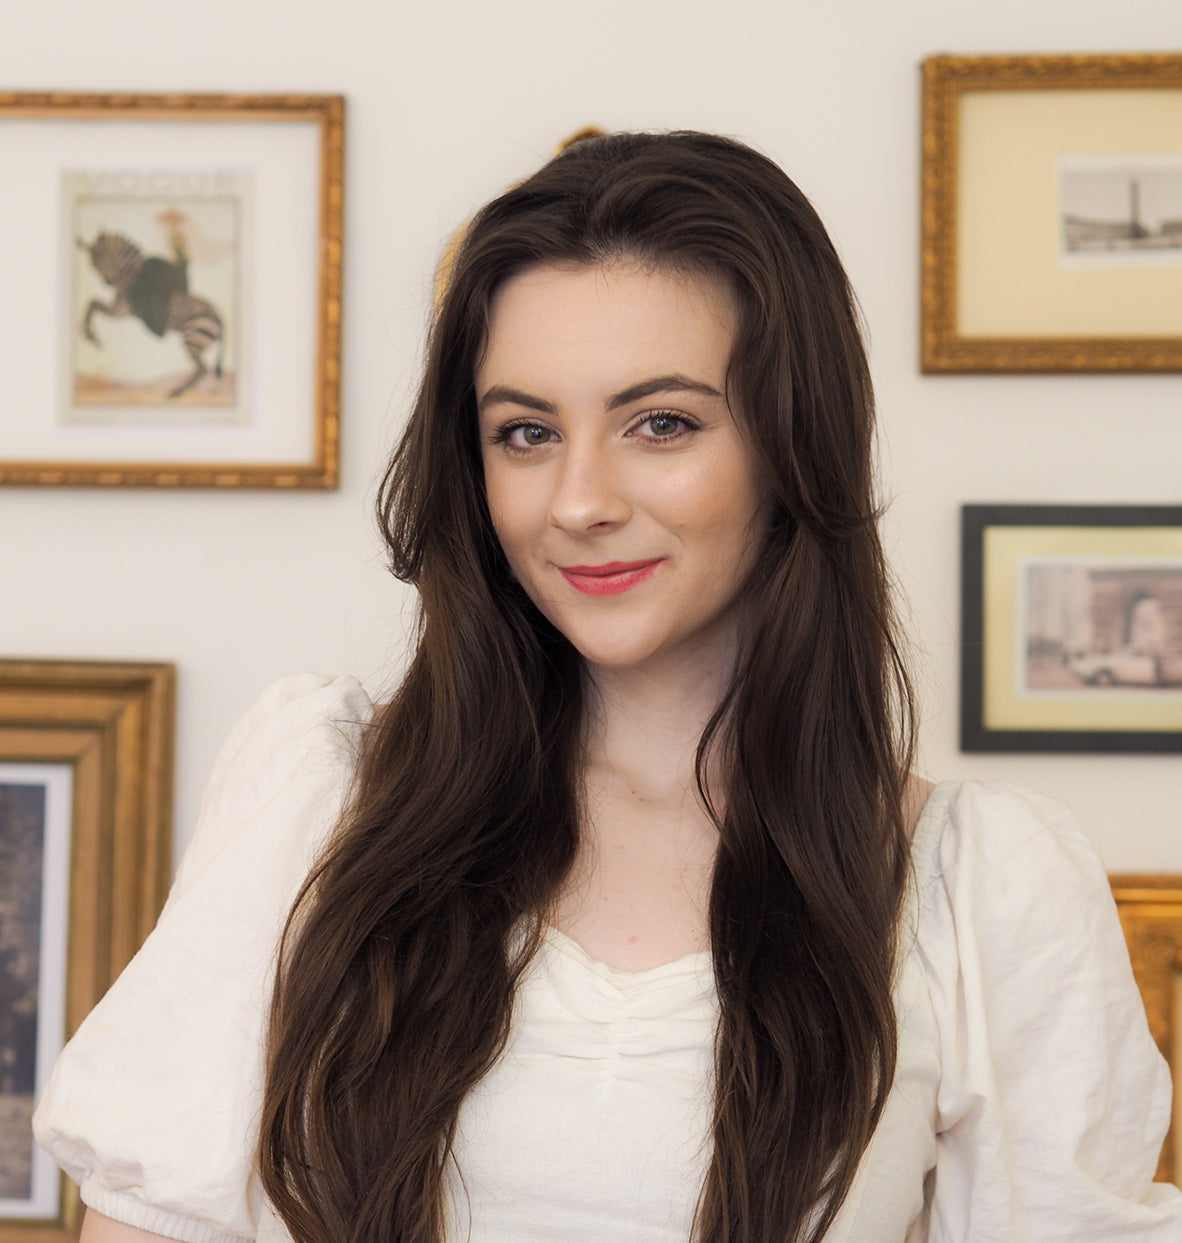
[[1052, 213], [1072, 628], [85, 836], [174, 305]]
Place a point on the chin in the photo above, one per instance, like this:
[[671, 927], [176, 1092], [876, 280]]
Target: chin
[[612, 657], [612, 651], [622, 664], [657, 659], [628, 647]]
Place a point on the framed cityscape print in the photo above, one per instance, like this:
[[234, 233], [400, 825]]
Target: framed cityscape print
[[1071, 626], [85, 863], [176, 294], [1052, 213]]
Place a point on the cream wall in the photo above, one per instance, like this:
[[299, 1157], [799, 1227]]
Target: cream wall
[[448, 102]]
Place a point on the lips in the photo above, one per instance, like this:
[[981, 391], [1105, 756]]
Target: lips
[[608, 579]]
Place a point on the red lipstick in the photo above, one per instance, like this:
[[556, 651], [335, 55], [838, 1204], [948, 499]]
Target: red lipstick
[[610, 578]]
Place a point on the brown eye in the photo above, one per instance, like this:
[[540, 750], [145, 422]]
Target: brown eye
[[527, 435], [665, 424]]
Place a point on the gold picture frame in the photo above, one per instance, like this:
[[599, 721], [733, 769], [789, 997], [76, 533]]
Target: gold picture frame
[[1027, 262], [175, 306], [1150, 909], [106, 731]]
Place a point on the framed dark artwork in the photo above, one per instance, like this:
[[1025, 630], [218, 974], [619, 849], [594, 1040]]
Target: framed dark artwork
[[1150, 909], [1071, 626], [1052, 213], [177, 293], [85, 863]]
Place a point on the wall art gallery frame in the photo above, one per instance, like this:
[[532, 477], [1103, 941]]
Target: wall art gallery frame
[[1150, 909], [1052, 213], [1071, 624], [177, 292], [101, 734]]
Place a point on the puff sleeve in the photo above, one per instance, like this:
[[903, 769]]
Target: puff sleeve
[[1053, 1099], [153, 1105]]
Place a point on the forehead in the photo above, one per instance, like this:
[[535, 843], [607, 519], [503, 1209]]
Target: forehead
[[617, 320]]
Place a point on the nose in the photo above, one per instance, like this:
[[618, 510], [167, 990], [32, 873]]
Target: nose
[[589, 490]]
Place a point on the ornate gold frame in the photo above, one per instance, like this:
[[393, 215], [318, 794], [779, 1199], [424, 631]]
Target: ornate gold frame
[[945, 80], [1150, 910], [328, 113], [113, 723]]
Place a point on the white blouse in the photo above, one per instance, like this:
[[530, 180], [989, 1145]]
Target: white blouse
[[1028, 1106]]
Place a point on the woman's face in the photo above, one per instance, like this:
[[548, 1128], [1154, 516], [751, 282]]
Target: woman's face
[[623, 494]]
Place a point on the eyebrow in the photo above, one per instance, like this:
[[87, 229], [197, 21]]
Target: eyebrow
[[500, 394]]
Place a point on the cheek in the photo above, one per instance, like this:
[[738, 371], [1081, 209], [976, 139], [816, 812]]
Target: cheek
[[511, 509], [718, 501], [497, 496]]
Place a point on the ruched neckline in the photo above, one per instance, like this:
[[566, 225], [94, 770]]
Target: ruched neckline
[[688, 965]]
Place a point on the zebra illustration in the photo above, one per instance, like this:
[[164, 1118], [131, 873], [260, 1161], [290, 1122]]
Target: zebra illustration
[[156, 291]]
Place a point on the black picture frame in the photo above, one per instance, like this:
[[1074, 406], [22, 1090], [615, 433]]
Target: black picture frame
[[1012, 697]]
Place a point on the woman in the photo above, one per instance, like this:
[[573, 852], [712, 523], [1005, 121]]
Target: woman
[[634, 924]]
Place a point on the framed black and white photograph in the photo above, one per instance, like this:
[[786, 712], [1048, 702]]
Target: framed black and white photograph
[[178, 284], [1121, 211], [1072, 628], [1052, 213], [85, 863]]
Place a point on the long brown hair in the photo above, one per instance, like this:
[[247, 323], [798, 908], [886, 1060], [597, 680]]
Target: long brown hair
[[399, 964]]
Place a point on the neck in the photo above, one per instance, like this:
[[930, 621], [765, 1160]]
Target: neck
[[644, 724]]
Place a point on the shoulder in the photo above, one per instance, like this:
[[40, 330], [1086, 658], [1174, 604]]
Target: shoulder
[[1004, 875], [992, 825], [307, 713], [289, 760], [1009, 893]]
